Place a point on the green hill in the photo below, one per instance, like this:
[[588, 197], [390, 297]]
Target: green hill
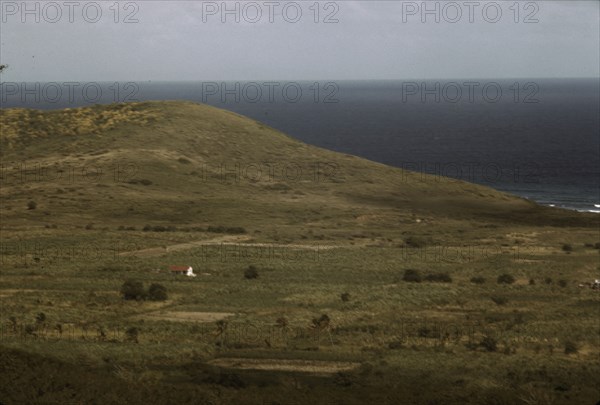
[[181, 163]]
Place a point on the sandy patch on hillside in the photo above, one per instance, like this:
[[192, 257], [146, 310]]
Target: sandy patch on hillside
[[185, 316], [305, 366]]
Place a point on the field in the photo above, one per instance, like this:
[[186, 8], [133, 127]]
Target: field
[[368, 284]]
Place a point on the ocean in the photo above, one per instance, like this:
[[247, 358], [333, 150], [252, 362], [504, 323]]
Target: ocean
[[536, 138]]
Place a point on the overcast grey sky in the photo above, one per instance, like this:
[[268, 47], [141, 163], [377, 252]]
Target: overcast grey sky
[[371, 40]]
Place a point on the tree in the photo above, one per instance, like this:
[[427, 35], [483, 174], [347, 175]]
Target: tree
[[505, 279], [411, 276], [251, 272], [131, 335], [3, 68], [133, 290], [157, 292], [40, 318]]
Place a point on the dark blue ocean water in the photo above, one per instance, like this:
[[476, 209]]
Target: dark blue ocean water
[[539, 139]]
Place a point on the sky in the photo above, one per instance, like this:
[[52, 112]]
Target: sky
[[283, 40]]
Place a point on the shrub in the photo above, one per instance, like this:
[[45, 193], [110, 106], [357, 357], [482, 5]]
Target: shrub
[[321, 322], [505, 279], [567, 248], [426, 332], [438, 278], [231, 380], [89, 226], [133, 290], [157, 292], [531, 281], [597, 245], [251, 272], [411, 276], [132, 334], [31, 205], [13, 323], [236, 230], [477, 280], [40, 318], [562, 282], [345, 297], [282, 322], [548, 280], [499, 300], [415, 242], [571, 347], [489, 343]]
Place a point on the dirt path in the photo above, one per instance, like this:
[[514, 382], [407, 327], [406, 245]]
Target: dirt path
[[220, 240], [187, 316]]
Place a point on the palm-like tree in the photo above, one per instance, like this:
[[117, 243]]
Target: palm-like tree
[[3, 68]]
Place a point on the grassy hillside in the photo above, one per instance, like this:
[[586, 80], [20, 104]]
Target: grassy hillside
[[184, 163], [434, 290]]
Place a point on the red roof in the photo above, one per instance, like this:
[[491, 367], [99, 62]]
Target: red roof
[[178, 268]]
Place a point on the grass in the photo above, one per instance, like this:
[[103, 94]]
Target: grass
[[323, 246]]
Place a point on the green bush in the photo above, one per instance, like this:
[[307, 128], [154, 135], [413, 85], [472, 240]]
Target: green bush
[[251, 272], [411, 276], [489, 343], [567, 248], [505, 279], [562, 282], [345, 297], [415, 242], [571, 347], [133, 290], [132, 334], [40, 318], [157, 292], [321, 322], [477, 280]]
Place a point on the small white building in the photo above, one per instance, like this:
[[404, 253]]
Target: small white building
[[182, 270]]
